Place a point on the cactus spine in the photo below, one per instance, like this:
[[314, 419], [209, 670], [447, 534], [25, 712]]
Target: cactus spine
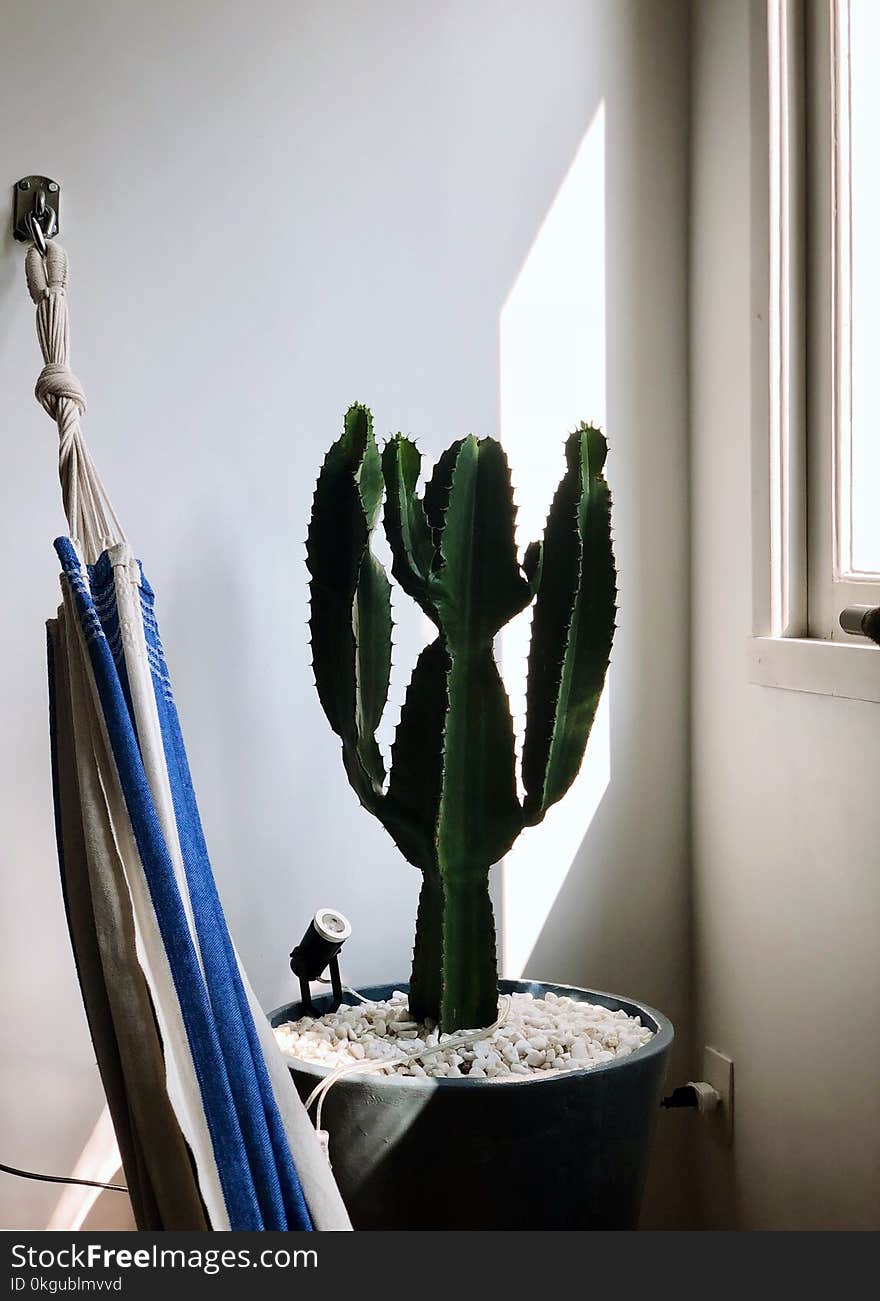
[[450, 800]]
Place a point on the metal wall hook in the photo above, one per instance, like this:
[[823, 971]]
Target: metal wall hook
[[36, 232], [36, 210]]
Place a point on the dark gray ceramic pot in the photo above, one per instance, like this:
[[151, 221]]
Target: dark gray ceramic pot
[[564, 1152]]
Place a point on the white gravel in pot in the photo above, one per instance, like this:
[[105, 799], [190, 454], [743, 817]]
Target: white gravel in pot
[[537, 1037]]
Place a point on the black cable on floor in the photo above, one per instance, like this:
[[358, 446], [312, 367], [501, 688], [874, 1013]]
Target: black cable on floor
[[61, 1179]]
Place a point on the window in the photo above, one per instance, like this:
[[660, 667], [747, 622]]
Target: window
[[843, 309], [817, 544]]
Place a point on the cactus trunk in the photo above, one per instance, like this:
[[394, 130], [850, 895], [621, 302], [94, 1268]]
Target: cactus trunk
[[469, 997], [426, 977]]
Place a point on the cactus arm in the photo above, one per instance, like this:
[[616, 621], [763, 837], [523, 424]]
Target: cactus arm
[[437, 492], [411, 811], [368, 474], [371, 615], [573, 626], [335, 545], [406, 525], [533, 563], [410, 815], [478, 586], [350, 601], [415, 784], [371, 609], [480, 815]]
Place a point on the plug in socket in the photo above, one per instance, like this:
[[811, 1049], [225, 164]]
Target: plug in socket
[[718, 1071]]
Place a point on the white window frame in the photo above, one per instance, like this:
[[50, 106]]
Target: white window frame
[[834, 581], [795, 642]]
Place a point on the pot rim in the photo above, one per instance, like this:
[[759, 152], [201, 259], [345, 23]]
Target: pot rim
[[659, 1044]]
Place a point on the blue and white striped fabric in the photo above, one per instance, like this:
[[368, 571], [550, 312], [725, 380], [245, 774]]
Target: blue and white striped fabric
[[227, 1082]]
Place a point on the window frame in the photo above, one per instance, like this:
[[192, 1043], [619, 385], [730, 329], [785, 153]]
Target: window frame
[[799, 582], [833, 581]]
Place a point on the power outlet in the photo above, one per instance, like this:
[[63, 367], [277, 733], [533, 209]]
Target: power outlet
[[718, 1071]]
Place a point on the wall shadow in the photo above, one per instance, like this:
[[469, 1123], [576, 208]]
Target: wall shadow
[[621, 920]]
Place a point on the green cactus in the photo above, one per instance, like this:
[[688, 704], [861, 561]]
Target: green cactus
[[450, 801]]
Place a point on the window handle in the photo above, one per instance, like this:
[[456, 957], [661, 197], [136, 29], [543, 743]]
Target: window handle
[[862, 621]]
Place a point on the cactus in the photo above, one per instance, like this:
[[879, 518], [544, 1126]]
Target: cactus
[[450, 801]]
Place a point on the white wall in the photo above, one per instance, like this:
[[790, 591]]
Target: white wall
[[787, 892], [271, 210]]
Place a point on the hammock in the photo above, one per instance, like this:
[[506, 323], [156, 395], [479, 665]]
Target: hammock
[[211, 1130]]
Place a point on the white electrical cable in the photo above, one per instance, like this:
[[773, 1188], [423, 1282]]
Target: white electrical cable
[[320, 1091], [346, 989]]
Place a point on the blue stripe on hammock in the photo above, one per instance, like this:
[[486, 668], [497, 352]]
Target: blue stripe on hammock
[[260, 1120]]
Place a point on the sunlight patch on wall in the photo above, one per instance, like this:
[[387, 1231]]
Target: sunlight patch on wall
[[99, 1160], [552, 362]]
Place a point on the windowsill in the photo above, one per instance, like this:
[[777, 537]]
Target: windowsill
[[825, 668]]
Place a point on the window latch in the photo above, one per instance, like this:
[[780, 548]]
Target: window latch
[[862, 621]]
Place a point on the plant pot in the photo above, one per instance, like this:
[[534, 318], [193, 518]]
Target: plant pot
[[567, 1151]]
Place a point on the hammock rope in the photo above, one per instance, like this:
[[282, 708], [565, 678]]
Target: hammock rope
[[94, 526]]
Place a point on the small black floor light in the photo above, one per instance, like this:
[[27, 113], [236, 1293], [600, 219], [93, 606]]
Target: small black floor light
[[318, 949]]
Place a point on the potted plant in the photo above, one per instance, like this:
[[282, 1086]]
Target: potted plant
[[564, 1142]]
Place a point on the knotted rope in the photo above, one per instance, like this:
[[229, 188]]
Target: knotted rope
[[92, 520]]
